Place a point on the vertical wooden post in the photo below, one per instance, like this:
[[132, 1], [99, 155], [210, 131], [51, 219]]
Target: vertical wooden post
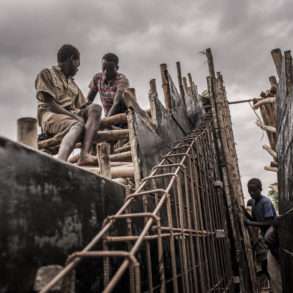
[[210, 63], [273, 81], [277, 57], [232, 184], [133, 145], [185, 85], [153, 105], [27, 132], [180, 83], [103, 153], [132, 90], [193, 87], [190, 82], [166, 88], [134, 148]]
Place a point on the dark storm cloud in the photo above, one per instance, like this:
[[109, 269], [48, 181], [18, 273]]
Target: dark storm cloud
[[145, 34]]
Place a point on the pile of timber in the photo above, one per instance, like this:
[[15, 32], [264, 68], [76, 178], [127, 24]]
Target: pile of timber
[[266, 105]]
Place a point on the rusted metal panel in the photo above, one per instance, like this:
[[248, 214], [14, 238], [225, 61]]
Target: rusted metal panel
[[48, 209]]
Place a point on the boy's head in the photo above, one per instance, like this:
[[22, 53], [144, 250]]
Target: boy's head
[[254, 188], [68, 58], [110, 65]]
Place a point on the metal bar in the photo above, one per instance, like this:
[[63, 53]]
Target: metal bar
[[178, 207], [240, 101]]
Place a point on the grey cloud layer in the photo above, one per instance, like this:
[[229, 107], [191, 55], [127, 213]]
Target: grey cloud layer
[[145, 34]]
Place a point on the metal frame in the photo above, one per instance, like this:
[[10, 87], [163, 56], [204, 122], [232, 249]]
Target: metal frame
[[171, 221]]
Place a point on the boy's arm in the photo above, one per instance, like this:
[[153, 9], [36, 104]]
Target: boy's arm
[[56, 108], [266, 223], [93, 90], [91, 95], [246, 214]]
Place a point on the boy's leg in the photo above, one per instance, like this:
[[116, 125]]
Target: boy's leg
[[65, 128], [93, 113], [118, 105], [69, 140]]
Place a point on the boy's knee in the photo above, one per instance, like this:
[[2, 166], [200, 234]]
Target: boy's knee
[[96, 109], [79, 125]]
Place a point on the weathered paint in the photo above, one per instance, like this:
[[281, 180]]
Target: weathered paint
[[48, 209]]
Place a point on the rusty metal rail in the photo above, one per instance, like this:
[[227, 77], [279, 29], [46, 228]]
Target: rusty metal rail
[[170, 235]]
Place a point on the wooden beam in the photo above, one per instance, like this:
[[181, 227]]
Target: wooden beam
[[124, 148], [133, 92], [153, 95], [112, 135], [185, 85], [124, 156], [103, 152], [134, 148], [180, 83], [165, 85], [270, 151], [277, 57], [266, 127], [112, 120], [116, 172], [210, 62], [271, 169], [268, 100], [27, 131]]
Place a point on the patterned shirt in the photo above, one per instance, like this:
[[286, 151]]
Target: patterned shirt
[[108, 90], [64, 91]]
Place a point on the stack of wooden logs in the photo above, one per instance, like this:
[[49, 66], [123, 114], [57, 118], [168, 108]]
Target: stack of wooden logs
[[266, 104]]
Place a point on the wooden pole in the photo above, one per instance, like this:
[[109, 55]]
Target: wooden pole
[[277, 57], [134, 148], [185, 85], [180, 83], [27, 131], [112, 135], [166, 88], [103, 152], [153, 95], [266, 127], [124, 148], [133, 92], [268, 100], [116, 171], [124, 156], [270, 151], [112, 120]]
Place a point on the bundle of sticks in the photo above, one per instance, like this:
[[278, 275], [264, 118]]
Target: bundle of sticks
[[266, 104]]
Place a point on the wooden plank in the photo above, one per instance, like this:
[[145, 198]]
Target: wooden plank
[[180, 82], [120, 118], [27, 131], [134, 149], [166, 88], [103, 153]]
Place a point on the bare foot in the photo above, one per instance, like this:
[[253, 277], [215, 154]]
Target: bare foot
[[87, 160]]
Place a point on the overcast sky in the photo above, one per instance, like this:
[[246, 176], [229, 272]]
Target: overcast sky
[[145, 34]]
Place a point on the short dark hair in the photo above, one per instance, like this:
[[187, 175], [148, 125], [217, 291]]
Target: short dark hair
[[67, 51], [111, 57], [256, 182]]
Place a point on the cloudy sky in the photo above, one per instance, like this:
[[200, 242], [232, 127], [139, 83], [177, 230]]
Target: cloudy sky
[[145, 34]]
